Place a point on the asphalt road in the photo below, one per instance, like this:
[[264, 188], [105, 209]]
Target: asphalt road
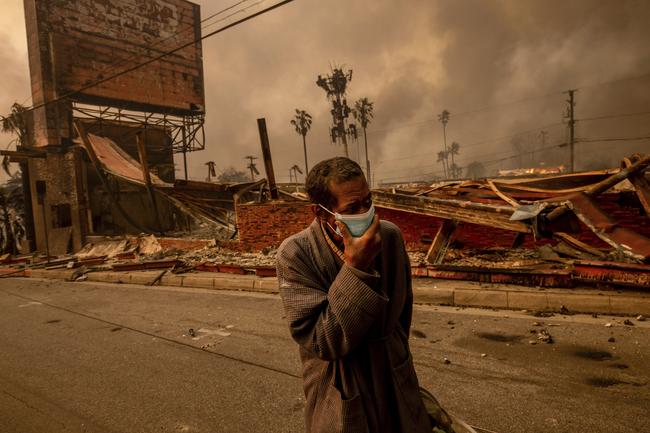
[[93, 357]]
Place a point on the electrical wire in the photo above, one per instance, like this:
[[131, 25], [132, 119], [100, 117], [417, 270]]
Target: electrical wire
[[476, 143], [503, 104], [517, 155], [158, 57], [613, 116], [599, 140], [462, 113], [438, 162], [615, 81], [121, 62]]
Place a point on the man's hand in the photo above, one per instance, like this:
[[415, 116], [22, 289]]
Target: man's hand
[[360, 252]]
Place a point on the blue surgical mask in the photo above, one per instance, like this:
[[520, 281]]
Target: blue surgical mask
[[357, 224]]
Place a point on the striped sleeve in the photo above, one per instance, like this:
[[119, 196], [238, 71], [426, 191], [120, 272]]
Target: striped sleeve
[[326, 321]]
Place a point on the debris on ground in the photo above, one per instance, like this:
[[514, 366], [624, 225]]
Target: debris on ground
[[628, 322], [418, 334], [640, 318], [544, 336], [542, 314]]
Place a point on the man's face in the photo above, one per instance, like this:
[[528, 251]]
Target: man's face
[[351, 197]]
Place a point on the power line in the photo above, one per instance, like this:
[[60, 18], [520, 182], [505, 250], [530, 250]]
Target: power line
[[120, 62], [518, 101], [473, 157], [614, 116], [599, 140], [462, 113], [618, 80], [476, 143], [235, 13], [517, 155], [173, 36], [156, 58]]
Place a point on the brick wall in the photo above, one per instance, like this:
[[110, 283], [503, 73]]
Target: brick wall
[[267, 225]]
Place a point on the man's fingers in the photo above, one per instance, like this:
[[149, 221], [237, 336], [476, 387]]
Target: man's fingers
[[343, 229], [373, 229]]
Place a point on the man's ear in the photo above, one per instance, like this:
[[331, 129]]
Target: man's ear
[[317, 211]]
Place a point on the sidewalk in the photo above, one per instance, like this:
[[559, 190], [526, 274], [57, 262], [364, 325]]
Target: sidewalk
[[425, 290]]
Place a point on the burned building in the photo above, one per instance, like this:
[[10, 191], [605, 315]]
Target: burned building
[[112, 82]]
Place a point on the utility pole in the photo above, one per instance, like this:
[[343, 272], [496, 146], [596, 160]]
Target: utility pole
[[184, 149], [571, 116], [444, 119], [542, 134], [268, 161], [142, 153], [212, 172], [252, 166]]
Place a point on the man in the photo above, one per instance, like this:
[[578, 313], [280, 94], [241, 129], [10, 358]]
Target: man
[[345, 284]]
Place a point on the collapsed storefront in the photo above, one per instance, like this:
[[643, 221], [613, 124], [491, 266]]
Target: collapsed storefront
[[99, 161], [88, 80]]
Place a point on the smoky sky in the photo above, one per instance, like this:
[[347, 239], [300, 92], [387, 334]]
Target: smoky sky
[[499, 67]]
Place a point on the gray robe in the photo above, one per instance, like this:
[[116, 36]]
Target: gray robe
[[352, 329]]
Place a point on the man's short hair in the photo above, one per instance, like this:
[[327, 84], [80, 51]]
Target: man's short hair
[[338, 169]]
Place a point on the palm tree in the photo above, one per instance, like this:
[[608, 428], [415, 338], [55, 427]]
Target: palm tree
[[442, 157], [14, 123], [454, 150], [475, 170], [294, 170], [302, 123], [12, 210], [363, 112]]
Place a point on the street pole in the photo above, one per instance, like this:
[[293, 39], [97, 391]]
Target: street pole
[[444, 140], [268, 161], [572, 122], [142, 153], [185, 150], [543, 134], [41, 188], [251, 166], [304, 146], [365, 139]]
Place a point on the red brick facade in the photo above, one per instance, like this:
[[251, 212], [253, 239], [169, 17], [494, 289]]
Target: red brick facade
[[268, 224]]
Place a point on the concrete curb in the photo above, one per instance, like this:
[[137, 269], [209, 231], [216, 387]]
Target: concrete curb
[[425, 291]]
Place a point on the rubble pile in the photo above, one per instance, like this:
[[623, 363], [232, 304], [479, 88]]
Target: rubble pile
[[578, 228], [549, 213]]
